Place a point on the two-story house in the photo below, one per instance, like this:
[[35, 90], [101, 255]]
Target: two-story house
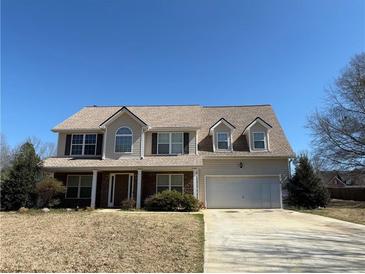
[[226, 156]]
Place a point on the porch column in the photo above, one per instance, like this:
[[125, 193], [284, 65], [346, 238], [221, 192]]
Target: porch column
[[93, 189], [196, 183], [139, 186]]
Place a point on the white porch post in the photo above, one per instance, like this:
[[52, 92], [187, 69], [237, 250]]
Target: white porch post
[[196, 183], [93, 189], [139, 186]]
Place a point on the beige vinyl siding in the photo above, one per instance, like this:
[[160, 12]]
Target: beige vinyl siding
[[222, 127], [258, 128], [123, 121], [61, 144], [232, 167], [148, 142]]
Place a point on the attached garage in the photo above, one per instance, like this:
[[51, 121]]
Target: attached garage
[[243, 192]]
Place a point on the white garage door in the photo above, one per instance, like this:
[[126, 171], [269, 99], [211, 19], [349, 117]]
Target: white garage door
[[243, 192]]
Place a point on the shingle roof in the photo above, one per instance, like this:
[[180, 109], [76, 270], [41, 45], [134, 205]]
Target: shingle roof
[[241, 117], [191, 116], [154, 116], [155, 161]]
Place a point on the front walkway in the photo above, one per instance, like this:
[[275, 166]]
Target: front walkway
[[281, 241]]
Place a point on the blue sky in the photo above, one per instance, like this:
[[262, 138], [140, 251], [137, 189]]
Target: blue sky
[[58, 56]]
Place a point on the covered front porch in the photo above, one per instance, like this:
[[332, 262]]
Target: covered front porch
[[108, 188]]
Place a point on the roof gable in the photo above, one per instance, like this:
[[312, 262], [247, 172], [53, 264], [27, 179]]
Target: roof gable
[[118, 114], [257, 120], [336, 180], [221, 121]]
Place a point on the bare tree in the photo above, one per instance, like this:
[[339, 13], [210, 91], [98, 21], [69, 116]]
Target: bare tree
[[339, 128], [6, 153], [43, 149]]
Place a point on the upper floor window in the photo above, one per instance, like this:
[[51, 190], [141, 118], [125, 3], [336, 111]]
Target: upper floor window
[[222, 140], [259, 140], [83, 144], [170, 143], [123, 140]]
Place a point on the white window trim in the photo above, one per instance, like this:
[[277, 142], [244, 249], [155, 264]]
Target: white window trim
[[115, 140], [170, 143], [228, 141], [265, 141], [78, 186], [165, 174], [83, 144]]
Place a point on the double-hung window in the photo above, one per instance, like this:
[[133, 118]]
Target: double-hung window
[[79, 186], [90, 144], [163, 143], [83, 144], [222, 141], [170, 182], [177, 143], [259, 140], [170, 143]]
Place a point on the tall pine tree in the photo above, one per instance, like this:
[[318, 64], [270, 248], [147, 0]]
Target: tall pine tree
[[306, 189], [18, 189]]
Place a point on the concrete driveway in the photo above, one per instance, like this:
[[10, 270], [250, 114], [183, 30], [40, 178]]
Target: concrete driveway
[[281, 241]]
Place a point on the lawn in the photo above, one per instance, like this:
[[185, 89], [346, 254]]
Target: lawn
[[101, 242], [351, 211]]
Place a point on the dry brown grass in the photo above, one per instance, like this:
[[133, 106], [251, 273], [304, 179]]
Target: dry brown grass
[[101, 242], [350, 211]]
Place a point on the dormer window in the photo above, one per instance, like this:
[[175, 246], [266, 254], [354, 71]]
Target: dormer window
[[258, 132], [221, 133], [259, 140], [222, 140]]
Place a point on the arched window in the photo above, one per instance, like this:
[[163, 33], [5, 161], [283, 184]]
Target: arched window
[[123, 140]]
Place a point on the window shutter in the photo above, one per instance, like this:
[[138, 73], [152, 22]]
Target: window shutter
[[99, 144], [154, 143], [68, 144], [186, 142]]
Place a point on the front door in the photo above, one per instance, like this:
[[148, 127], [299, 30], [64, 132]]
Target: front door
[[119, 189]]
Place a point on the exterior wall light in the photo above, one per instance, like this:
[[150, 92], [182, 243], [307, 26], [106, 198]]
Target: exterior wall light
[[241, 164]]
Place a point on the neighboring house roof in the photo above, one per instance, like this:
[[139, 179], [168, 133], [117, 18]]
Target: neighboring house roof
[[336, 181], [196, 117], [154, 161], [349, 178]]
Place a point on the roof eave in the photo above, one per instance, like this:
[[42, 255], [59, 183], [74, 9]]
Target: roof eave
[[122, 110], [72, 130], [221, 120], [257, 120]]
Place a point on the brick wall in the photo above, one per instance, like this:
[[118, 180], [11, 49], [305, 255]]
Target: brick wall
[[149, 182]]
